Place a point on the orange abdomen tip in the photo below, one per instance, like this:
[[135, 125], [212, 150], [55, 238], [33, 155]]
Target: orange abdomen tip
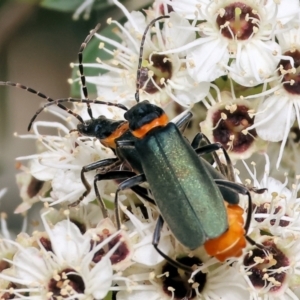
[[232, 242]]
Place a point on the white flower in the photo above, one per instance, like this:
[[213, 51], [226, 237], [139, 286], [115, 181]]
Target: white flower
[[278, 111], [121, 258], [276, 210], [166, 282], [31, 189], [272, 272], [287, 9], [242, 31], [63, 266], [154, 278], [141, 235], [163, 77]]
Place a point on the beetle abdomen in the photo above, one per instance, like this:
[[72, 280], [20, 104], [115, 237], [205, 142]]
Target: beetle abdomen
[[233, 241]]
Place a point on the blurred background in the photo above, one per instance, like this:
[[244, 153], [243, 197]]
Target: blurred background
[[37, 45]]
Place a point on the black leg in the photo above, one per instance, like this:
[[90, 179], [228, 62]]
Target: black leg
[[109, 176], [105, 163], [127, 184], [142, 192], [184, 121], [115, 175], [196, 145], [244, 191], [229, 195], [197, 140], [241, 190], [155, 241]]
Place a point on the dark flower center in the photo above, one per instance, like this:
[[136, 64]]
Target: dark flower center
[[8, 295], [263, 209], [81, 226], [4, 265], [46, 244], [120, 254], [295, 134], [34, 187], [292, 75], [238, 20], [268, 266], [231, 129], [66, 283], [161, 70], [177, 284], [165, 9]]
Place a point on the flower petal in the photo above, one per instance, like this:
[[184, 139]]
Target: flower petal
[[205, 62], [178, 33], [274, 115], [30, 265], [287, 10], [145, 253], [255, 62], [68, 243]]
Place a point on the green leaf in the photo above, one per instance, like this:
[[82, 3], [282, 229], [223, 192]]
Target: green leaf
[[72, 5], [90, 53], [108, 204], [61, 5], [108, 296], [101, 4]]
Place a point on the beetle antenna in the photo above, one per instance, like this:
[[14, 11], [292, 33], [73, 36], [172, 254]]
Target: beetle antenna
[[138, 74], [41, 95], [73, 100], [80, 66]]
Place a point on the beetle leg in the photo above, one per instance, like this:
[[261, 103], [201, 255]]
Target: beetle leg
[[229, 195], [110, 162], [142, 192], [108, 176], [197, 140], [257, 191], [127, 184], [155, 241], [210, 149], [244, 191], [241, 190], [184, 120], [196, 144]]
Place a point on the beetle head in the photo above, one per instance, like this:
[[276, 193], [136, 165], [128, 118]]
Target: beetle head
[[100, 128]]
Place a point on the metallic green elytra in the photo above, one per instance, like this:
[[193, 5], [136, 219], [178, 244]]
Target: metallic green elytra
[[184, 191]]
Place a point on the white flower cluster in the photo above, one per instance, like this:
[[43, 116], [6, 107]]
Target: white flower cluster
[[239, 60], [246, 48]]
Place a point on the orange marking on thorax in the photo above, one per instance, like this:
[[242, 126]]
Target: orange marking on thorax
[[110, 140], [160, 121], [232, 242]]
